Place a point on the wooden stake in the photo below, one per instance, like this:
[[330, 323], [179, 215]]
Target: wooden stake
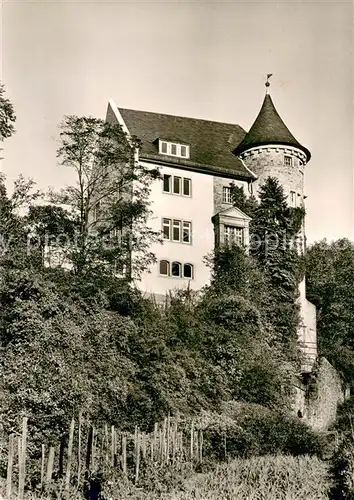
[[79, 451], [168, 439], [50, 465], [192, 444], [42, 465], [10, 462], [113, 445], [70, 452], [22, 460], [89, 448], [137, 458], [124, 455], [200, 445], [93, 448], [155, 441]]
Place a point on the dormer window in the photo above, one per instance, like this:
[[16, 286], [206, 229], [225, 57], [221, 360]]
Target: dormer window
[[173, 149]]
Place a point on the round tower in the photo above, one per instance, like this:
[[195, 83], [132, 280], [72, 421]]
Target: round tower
[[270, 150]]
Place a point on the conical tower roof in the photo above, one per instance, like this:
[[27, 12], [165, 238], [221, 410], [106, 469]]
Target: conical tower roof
[[269, 128]]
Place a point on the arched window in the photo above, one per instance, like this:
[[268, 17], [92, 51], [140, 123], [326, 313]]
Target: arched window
[[188, 271], [176, 269], [164, 267]]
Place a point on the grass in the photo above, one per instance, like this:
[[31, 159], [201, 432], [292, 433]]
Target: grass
[[258, 478]]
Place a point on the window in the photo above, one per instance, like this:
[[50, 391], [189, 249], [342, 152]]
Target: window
[[167, 182], [292, 199], [96, 211], [177, 185], [226, 195], [177, 230], [164, 267], [166, 229], [176, 269], [287, 161], [186, 187], [174, 149], [233, 235], [188, 271], [187, 229]]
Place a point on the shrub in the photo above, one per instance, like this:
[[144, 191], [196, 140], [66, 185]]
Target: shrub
[[248, 429]]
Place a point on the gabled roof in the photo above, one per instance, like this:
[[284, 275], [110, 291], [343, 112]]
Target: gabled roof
[[269, 128], [211, 143], [233, 212]]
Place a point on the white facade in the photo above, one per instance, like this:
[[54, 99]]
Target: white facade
[[197, 209]]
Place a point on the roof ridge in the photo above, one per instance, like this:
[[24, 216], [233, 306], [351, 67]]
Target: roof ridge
[[180, 116]]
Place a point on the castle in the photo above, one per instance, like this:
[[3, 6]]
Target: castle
[[192, 206]]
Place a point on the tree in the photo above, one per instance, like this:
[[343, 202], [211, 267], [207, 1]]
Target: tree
[[329, 283], [246, 204], [7, 116], [274, 230], [110, 198]]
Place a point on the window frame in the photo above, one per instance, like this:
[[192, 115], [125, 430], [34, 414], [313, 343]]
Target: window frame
[[293, 199], [175, 262], [233, 240], [168, 267], [191, 268], [170, 183], [174, 223], [226, 189], [166, 224], [181, 265], [178, 148], [288, 158]]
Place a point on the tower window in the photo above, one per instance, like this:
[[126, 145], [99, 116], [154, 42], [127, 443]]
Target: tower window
[[226, 195], [288, 161], [293, 199]]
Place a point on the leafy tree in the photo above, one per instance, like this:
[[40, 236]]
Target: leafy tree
[[329, 280], [7, 116], [109, 199], [246, 204], [274, 230]]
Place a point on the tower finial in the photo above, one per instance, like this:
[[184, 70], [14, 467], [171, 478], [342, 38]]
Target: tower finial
[[267, 84]]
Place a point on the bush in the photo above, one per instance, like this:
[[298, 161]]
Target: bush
[[244, 430]]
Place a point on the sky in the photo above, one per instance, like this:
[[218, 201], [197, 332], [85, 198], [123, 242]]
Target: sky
[[191, 58]]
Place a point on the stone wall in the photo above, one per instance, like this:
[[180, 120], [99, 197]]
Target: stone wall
[[268, 161], [323, 396], [219, 183]]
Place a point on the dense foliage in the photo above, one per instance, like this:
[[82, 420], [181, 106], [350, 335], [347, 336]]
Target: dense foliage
[[330, 272], [77, 339]]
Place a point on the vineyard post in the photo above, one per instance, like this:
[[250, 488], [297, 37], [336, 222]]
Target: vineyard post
[[10, 461]]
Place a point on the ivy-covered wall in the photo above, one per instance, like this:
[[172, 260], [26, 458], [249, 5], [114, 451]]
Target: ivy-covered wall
[[324, 393]]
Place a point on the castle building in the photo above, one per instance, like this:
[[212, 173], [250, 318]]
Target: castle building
[[192, 206]]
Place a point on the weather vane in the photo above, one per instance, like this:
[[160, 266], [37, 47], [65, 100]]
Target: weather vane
[[267, 84]]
